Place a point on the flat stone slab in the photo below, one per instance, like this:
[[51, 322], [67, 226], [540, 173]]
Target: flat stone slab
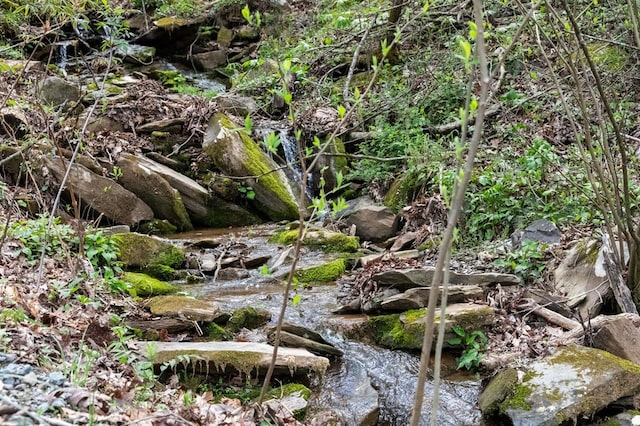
[[418, 297], [404, 279], [246, 357]]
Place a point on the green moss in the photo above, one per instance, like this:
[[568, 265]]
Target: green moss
[[288, 389], [139, 250], [500, 388], [216, 332], [518, 401], [339, 162], [328, 272], [326, 241], [158, 227], [257, 164], [394, 199], [143, 285], [392, 332], [161, 272], [583, 359], [247, 317]]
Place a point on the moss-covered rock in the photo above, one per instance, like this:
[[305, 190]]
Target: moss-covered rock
[[183, 306], [327, 272], [143, 285], [249, 318], [150, 255], [218, 333], [406, 330], [500, 387], [573, 383], [236, 154], [158, 227], [324, 240]]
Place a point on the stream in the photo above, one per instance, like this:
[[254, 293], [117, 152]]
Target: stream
[[366, 376]]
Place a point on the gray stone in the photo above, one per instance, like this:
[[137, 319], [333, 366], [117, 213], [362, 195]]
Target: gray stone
[[169, 125], [404, 279], [585, 286], [240, 106], [292, 340], [619, 337], [415, 298], [202, 207], [224, 37], [573, 383], [55, 91], [211, 60], [543, 231], [154, 190], [406, 254], [404, 241], [101, 194], [373, 223]]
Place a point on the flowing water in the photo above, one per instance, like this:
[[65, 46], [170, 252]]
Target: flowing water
[[366, 374]]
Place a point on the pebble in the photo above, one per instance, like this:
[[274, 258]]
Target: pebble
[[29, 387]]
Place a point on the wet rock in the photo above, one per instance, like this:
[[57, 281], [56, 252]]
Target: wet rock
[[249, 318], [581, 278], [155, 191], [292, 340], [352, 398], [183, 307], [405, 279], [406, 330], [202, 207], [236, 154], [240, 106], [56, 91], [255, 262], [229, 274], [169, 125], [628, 418], [619, 337], [209, 61], [418, 297], [101, 194], [373, 223], [573, 383], [244, 357], [136, 54]]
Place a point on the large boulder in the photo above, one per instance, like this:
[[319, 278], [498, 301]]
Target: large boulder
[[204, 209], [100, 193], [150, 255], [56, 91], [372, 222], [582, 279], [236, 154], [574, 383], [154, 190]]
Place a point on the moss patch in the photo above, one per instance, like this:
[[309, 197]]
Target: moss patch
[[500, 388], [391, 331], [218, 333], [328, 272], [248, 317], [331, 242], [143, 285]]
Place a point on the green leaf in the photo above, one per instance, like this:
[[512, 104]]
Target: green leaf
[[296, 300], [246, 13]]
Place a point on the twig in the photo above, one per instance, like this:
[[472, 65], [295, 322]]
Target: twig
[[354, 62]]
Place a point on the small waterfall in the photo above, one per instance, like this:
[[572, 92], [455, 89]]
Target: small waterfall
[[63, 55]]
